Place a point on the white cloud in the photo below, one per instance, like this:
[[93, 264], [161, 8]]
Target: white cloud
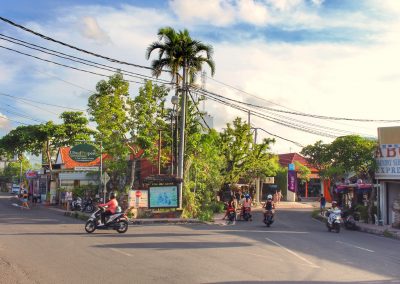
[[215, 12], [285, 5], [4, 122], [252, 12], [92, 30]]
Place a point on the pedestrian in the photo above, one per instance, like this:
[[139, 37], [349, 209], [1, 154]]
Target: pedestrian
[[24, 200], [322, 203], [279, 196]]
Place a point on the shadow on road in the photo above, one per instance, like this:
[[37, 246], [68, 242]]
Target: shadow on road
[[174, 245], [309, 281]]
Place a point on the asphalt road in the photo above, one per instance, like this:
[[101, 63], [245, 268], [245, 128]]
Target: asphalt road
[[43, 246]]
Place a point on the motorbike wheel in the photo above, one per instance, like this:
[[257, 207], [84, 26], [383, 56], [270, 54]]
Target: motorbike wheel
[[90, 226], [337, 227], [89, 208], [122, 226], [329, 227]]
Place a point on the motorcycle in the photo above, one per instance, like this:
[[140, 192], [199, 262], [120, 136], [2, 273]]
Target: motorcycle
[[76, 204], [87, 206], [231, 214], [246, 214], [117, 221], [334, 220], [268, 218], [349, 221]]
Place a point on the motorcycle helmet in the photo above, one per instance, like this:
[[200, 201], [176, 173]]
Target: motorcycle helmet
[[334, 203], [269, 196], [112, 195], [247, 196]]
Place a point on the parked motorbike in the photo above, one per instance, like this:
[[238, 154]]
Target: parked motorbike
[[334, 220], [349, 220], [76, 204], [268, 218], [246, 214], [117, 221], [87, 206]]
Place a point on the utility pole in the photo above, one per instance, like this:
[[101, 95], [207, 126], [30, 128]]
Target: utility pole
[[159, 151], [181, 149], [248, 118], [255, 135]]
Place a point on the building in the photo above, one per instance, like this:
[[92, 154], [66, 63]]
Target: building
[[312, 188], [388, 174]]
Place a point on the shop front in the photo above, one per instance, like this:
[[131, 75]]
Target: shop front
[[388, 174]]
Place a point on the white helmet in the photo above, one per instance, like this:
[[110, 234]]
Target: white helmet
[[269, 196]]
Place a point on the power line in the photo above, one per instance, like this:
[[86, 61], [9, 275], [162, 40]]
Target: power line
[[79, 59], [2, 116], [303, 114], [201, 115], [63, 65], [39, 102], [74, 47], [20, 115], [280, 137]]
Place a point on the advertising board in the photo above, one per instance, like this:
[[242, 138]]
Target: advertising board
[[165, 196]]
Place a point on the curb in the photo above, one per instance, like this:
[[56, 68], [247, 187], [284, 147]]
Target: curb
[[164, 221], [76, 215]]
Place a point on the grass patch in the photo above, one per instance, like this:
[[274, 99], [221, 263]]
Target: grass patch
[[388, 234]]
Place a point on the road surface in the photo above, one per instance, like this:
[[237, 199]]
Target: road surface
[[43, 246]]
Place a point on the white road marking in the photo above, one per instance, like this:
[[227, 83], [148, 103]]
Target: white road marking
[[266, 231], [293, 253], [120, 251], [350, 245]]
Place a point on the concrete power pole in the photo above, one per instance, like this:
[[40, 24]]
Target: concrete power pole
[[182, 124]]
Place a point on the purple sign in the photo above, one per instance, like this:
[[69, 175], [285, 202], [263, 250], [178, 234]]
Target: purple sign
[[292, 181]]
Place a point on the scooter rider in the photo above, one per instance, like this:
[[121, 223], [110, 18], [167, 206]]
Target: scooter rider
[[334, 207], [111, 208], [269, 206], [246, 203]]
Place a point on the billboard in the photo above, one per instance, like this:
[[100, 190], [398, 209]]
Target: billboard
[[83, 153], [292, 181], [387, 157], [163, 196]]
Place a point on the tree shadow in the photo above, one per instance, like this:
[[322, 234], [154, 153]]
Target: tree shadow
[[173, 245]]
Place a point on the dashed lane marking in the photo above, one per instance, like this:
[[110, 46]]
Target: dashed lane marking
[[293, 253], [354, 246]]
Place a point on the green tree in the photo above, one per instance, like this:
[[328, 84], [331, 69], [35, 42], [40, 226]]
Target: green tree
[[303, 172], [244, 159], [178, 49], [109, 108], [319, 157], [13, 170]]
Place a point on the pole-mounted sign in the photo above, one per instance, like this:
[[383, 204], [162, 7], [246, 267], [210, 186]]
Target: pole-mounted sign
[[83, 153]]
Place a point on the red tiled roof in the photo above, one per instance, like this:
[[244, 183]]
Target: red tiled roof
[[70, 164], [290, 158]]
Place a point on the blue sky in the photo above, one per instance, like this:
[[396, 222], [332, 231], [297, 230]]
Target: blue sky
[[329, 57]]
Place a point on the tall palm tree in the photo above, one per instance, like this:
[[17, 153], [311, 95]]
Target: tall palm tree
[[178, 49]]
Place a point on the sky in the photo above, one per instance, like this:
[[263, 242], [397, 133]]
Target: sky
[[330, 58]]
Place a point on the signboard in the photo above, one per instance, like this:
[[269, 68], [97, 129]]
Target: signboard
[[292, 181], [83, 153], [163, 196], [87, 169], [269, 180], [138, 198], [31, 174], [387, 157], [106, 178]]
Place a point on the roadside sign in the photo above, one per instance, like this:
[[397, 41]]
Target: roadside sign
[[106, 178], [138, 193]]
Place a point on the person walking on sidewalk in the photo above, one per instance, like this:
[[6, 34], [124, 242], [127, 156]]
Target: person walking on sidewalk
[[24, 199], [322, 204]]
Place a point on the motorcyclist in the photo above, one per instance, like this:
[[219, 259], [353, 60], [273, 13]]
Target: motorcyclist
[[110, 206], [246, 203], [230, 207], [269, 206], [334, 208]]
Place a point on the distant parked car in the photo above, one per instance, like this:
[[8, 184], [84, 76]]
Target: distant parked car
[[15, 189]]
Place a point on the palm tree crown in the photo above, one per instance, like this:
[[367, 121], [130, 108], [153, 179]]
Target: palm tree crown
[[178, 49]]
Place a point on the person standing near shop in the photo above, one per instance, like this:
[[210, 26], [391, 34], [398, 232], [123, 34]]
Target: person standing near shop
[[322, 204]]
